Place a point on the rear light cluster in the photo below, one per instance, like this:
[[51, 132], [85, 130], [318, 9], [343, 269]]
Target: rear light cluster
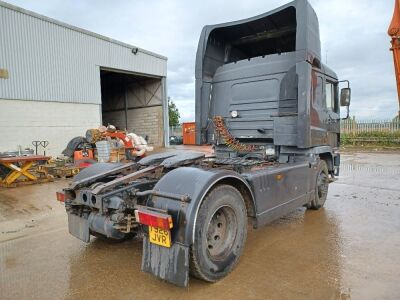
[[60, 196], [65, 195], [154, 219]]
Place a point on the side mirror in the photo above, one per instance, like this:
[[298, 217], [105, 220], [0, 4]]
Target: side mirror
[[345, 96]]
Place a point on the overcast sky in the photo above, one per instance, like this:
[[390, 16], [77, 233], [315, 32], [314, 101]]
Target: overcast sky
[[353, 33]]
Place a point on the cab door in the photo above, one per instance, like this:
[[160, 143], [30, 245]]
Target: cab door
[[331, 106]]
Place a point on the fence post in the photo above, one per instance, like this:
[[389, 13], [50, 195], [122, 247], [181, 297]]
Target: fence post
[[353, 129]]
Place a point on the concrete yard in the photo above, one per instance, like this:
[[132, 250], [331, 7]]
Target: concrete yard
[[348, 250]]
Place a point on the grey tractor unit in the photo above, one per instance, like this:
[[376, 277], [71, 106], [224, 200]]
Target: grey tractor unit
[[271, 110]]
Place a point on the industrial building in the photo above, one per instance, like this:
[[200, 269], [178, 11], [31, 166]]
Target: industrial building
[[57, 81]]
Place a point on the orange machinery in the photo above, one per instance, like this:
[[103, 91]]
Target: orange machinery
[[130, 149], [131, 153], [394, 32]]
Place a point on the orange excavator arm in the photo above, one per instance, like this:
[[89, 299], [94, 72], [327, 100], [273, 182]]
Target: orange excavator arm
[[130, 149], [128, 143], [394, 32]]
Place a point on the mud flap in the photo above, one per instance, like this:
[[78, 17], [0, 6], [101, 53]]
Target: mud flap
[[79, 227], [170, 264]]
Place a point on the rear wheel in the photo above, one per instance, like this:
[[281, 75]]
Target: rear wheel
[[220, 234], [321, 186]]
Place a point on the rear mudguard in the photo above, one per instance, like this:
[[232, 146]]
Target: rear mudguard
[[172, 264]]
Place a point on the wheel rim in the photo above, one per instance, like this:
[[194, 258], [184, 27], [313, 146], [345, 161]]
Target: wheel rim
[[322, 185], [221, 233]]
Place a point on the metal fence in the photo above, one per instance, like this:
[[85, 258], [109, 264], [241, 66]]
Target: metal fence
[[353, 126], [374, 132], [175, 131]]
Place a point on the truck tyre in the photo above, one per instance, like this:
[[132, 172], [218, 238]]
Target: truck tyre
[[321, 186], [220, 234]]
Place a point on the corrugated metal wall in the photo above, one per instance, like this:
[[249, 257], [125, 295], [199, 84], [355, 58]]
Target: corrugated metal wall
[[48, 61]]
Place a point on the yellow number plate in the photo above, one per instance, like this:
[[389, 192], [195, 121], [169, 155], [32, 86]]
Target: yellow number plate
[[160, 236]]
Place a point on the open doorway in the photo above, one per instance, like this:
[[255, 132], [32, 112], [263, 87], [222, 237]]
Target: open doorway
[[133, 102]]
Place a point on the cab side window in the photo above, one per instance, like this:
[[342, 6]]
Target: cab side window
[[331, 96], [319, 93]]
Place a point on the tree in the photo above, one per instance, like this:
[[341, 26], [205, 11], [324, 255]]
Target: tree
[[173, 113]]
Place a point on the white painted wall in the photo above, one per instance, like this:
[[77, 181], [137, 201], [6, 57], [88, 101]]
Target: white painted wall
[[22, 122]]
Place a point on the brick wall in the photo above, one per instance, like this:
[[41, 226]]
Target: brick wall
[[142, 121]]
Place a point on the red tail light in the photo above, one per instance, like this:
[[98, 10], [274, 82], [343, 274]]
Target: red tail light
[[60, 196], [155, 219]]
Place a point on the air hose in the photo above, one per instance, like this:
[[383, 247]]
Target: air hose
[[229, 139]]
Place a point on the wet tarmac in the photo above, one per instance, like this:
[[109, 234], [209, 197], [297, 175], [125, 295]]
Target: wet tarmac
[[348, 250]]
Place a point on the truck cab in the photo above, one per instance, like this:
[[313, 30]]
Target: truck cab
[[271, 110], [265, 77]]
